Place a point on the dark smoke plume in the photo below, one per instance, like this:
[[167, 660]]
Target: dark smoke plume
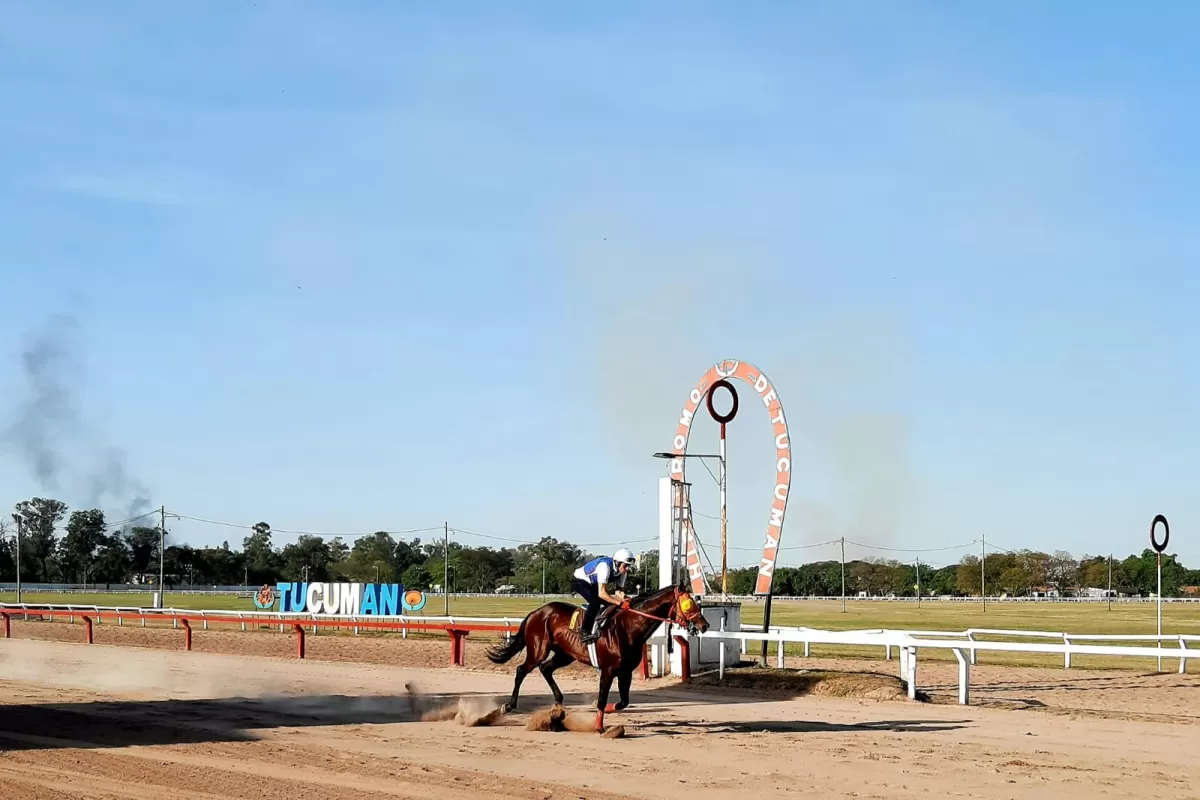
[[47, 431], [47, 416]]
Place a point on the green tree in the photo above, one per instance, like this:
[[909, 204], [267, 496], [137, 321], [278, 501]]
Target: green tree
[[219, 566], [407, 554], [38, 518], [967, 577], [143, 543], [482, 569], [114, 562], [179, 565], [86, 534], [646, 577], [1062, 571], [416, 577], [526, 564], [311, 552], [8, 549], [262, 562], [372, 556], [942, 583]]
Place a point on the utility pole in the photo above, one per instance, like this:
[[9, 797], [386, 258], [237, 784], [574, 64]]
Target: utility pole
[[724, 521], [162, 555], [543, 573], [20, 525], [843, 574], [1110, 581], [918, 581], [446, 567], [983, 572]]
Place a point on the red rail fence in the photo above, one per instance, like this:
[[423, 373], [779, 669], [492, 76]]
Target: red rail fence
[[457, 631]]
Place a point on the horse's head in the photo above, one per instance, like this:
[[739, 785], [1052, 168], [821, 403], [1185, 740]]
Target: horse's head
[[685, 612]]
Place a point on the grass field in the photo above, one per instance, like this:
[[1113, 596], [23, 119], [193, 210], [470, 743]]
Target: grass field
[[1077, 618]]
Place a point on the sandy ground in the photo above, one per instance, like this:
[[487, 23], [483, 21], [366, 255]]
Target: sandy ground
[[141, 722]]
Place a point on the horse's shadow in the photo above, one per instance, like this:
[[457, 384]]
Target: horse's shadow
[[676, 728]]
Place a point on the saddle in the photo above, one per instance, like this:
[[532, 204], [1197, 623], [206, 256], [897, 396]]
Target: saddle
[[602, 619]]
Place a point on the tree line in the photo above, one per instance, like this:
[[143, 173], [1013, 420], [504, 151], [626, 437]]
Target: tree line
[[1018, 574], [91, 551]]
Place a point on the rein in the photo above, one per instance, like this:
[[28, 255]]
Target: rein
[[668, 619]]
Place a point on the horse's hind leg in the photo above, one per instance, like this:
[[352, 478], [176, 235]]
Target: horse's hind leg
[[535, 653], [557, 660], [624, 680]]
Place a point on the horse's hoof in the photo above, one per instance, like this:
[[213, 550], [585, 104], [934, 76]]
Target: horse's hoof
[[507, 708], [599, 722]]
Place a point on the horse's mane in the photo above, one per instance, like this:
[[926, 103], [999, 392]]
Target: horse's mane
[[641, 601]]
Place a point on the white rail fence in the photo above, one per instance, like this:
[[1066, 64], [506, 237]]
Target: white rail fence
[[966, 645], [248, 591], [1069, 640], [245, 618]]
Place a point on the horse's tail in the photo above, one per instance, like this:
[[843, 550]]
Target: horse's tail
[[502, 653]]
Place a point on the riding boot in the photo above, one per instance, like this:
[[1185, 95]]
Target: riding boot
[[594, 633]]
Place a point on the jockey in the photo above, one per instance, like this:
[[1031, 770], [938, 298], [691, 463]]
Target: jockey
[[591, 583]]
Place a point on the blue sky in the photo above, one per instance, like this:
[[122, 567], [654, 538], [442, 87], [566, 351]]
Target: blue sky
[[352, 266]]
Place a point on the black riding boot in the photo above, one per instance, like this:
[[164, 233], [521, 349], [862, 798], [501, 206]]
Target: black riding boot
[[587, 628]]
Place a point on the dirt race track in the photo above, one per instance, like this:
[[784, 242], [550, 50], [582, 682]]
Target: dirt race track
[[108, 721]]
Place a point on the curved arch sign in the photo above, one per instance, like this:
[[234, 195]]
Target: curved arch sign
[[753, 377]]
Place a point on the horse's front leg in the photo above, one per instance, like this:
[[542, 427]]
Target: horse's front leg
[[624, 681], [606, 679]]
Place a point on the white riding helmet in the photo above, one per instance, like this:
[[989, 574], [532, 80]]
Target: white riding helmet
[[623, 556]]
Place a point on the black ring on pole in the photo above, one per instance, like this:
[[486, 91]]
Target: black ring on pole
[[1166, 533], [708, 400]]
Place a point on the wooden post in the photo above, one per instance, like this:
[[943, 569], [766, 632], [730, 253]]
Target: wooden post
[[299, 640], [685, 660], [187, 634], [87, 621], [458, 647]]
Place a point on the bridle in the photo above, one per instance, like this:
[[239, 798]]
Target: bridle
[[677, 615]]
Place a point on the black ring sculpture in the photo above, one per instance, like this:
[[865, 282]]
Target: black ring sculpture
[[1166, 533], [708, 400]]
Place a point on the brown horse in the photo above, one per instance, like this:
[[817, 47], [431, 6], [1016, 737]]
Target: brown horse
[[549, 643]]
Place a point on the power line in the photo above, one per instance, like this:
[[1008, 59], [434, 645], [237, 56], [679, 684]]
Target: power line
[[526, 541], [129, 520], [914, 549], [353, 535], [344, 535]]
